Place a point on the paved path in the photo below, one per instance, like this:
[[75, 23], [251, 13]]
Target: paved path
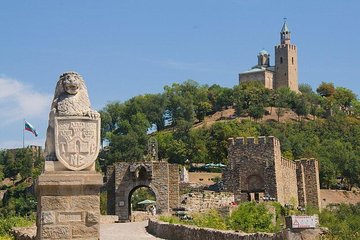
[[125, 231]]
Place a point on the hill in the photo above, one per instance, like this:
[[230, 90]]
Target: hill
[[192, 124]]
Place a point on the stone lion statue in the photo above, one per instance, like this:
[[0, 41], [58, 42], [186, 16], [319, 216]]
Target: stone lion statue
[[70, 99]]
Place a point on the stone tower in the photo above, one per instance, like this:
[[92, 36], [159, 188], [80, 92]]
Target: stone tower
[[257, 171], [286, 74]]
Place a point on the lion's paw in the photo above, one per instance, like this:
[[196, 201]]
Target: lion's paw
[[93, 114], [51, 157]]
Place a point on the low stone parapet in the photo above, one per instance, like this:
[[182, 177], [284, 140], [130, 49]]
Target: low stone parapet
[[180, 232], [24, 233], [107, 219]]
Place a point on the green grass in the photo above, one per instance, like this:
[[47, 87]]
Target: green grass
[[6, 223]]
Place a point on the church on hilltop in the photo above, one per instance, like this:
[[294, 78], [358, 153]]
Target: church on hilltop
[[284, 73]]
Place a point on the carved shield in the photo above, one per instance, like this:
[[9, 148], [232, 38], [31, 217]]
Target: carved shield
[[77, 141]]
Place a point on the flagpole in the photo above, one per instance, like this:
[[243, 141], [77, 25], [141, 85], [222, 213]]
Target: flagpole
[[24, 133]]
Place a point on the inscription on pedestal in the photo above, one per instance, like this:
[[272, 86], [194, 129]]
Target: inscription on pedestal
[[70, 217]]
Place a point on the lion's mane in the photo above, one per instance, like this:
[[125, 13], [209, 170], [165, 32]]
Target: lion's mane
[[71, 105]]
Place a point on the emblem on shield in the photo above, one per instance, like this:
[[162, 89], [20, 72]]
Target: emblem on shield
[[77, 141]]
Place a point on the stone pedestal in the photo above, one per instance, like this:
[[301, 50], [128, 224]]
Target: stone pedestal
[[68, 205]]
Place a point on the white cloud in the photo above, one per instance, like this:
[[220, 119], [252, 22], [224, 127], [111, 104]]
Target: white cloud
[[19, 101]]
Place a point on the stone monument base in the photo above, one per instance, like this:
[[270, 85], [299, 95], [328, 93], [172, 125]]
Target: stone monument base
[[68, 205]]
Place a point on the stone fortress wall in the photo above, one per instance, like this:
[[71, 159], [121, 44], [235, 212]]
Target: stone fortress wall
[[203, 201], [257, 171]]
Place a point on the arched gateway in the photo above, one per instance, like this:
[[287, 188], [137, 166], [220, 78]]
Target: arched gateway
[[123, 178]]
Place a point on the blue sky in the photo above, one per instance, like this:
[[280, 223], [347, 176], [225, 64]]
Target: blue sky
[[131, 47]]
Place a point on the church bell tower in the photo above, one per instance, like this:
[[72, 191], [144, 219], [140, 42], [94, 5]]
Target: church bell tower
[[286, 72]]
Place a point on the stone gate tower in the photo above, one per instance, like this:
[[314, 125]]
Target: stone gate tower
[[258, 172], [286, 74]]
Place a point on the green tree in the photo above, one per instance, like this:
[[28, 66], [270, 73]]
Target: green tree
[[301, 106], [180, 101], [251, 217], [343, 98], [326, 89], [250, 94]]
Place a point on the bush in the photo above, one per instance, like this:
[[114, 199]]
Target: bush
[[251, 217], [170, 219], [343, 221], [209, 219], [7, 223]]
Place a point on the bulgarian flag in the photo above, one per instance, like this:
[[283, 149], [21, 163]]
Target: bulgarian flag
[[30, 128]]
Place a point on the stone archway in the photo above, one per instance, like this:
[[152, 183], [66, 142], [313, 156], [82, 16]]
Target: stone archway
[[255, 183], [255, 188], [122, 178], [138, 207]]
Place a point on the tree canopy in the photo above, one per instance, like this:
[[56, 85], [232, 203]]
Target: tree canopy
[[331, 133]]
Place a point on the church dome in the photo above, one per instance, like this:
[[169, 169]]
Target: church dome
[[263, 52]]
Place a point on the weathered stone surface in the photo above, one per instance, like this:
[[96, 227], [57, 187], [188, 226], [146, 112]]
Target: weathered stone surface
[[83, 231], [56, 232], [48, 217], [24, 233], [55, 203], [69, 197], [202, 201], [85, 203], [93, 217]]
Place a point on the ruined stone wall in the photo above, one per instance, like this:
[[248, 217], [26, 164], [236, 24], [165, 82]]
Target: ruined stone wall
[[300, 177], [203, 201], [110, 189], [174, 188], [124, 178], [309, 173]]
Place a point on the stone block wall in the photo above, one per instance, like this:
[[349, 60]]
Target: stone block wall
[[308, 179], [68, 205], [289, 179], [264, 76], [181, 232], [203, 201]]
